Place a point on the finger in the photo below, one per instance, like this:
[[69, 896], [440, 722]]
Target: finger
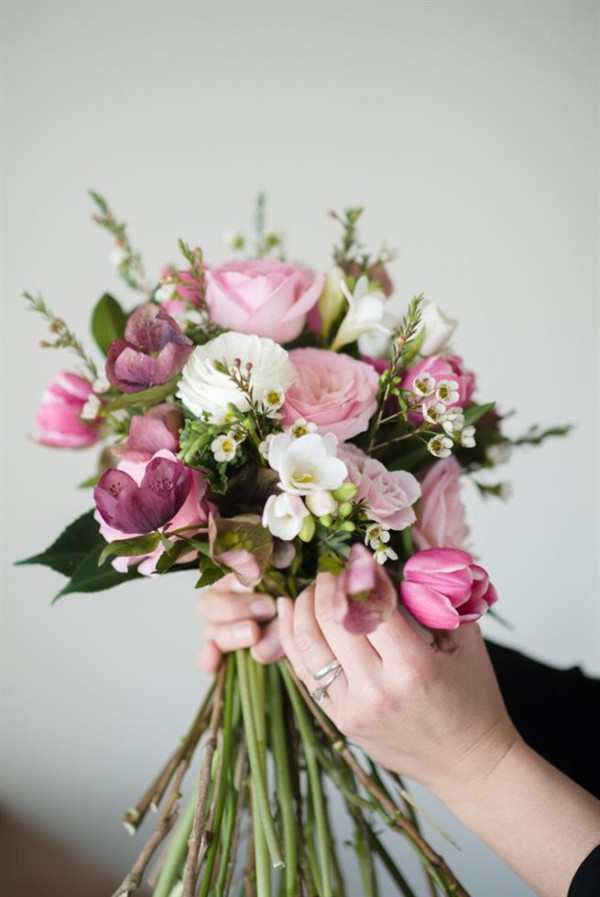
[[396, 640], [269, 648], [231, 636], [356, 654], [309, 651], [228, 607], [209, 657]]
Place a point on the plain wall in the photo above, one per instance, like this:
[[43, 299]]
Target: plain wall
[[468, 131]]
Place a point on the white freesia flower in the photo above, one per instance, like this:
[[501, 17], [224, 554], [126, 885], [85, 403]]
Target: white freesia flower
[[308, 464], [438, 328], [321, 503], [284, 515], [365, 313], [206, 387]]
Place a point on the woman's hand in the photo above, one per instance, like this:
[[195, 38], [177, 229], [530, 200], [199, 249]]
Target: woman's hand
[[434, 715], [232, 615]]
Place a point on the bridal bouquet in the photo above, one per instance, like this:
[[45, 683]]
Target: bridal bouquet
[[268, 422]]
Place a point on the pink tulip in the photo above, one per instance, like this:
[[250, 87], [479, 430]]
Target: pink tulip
[[365, 595], [59, 418], [153, 351], [443, 588]]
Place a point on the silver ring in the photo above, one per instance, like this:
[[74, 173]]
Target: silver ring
[[320, 693], [329, 668]]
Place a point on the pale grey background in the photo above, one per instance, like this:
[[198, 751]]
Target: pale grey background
[[468, 130]]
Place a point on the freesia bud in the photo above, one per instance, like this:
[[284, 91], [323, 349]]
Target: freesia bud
[[321, 503]]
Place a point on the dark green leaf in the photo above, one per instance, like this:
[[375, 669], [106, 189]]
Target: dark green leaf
[[130, 547], [89, 577], [151, 396], [472, 415], [210, 575], [108, 322], [71, 547], [170, 557]]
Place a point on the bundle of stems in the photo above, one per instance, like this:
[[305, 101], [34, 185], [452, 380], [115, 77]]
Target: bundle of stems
[[258, 824]]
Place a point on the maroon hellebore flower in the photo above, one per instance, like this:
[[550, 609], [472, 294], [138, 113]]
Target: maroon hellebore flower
[[153, 351], [141, 509], [365, 595]]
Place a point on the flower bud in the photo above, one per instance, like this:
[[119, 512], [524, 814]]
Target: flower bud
[[345, 492], [321, 503], [308, 529]]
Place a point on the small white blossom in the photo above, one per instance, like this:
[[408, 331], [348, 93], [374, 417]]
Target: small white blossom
[[384, 553], [453, 420], [273, 400], [364, 315], [265, 445], [100, 385], [376, 534], [165, 292], [118, 257], [447, 391], [467, 437], [302, 427], [498, 452], [424, 385], [433, 412], [224, 447], [440, 446], [91, 408]]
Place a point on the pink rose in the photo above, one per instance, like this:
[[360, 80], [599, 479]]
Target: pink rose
[[59, 418], [387, 494], [334, 391], [365, 595], [443, 588], [442, 368], [262, 297], [441, 514], [139, 496]]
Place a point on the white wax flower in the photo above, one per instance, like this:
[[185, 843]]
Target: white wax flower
[[365, 313], [207, 391], [438, 328], [308, 464], [284, 515], [118, 256]]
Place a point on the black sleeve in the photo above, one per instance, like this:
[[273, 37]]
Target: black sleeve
[[586, 882], [554, 711]]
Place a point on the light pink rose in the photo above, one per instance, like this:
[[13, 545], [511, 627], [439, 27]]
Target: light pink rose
[[388, 494], [334, 391], [262, 297], [193, 513], [442, 368], [58, 419], [441, 514], [443, 588], [365, 595]]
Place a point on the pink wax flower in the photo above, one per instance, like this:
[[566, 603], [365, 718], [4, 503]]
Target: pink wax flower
[[153, 351], [388, 494], [59, 418], [140, 496], [262, 297], [443, 588], [365, 595], [332, 390], [441, 514], [442, 368], [157, 429]]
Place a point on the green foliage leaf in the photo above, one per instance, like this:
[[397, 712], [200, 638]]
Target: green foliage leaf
[[130, 547], [472, 415], [92, 577], [151, 396], [211, 573], [72, 546], [108, 322], [170, 557]]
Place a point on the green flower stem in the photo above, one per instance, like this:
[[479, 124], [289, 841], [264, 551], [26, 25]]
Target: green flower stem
[[307, 734], [258, 777], [256, 675], [224, 777], [388, 863], [283, 779], [237, 796], [364, 855], [173, 865]]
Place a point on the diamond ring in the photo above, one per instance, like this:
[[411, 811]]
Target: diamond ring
[[320, 693]]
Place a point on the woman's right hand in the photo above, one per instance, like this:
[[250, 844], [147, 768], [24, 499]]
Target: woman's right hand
[[232, 616]]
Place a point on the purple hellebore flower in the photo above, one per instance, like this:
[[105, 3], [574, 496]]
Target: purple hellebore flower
[[135, 509], [365, 595], [154, 350]]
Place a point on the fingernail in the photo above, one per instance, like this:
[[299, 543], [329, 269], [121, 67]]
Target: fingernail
[[263, 607], [243, 633], [283, 608]]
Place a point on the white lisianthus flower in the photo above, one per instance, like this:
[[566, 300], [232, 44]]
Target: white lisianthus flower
[[308, 464], [206, 388], [321, 503], [284, 515], [365, 313], [438, 328]]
